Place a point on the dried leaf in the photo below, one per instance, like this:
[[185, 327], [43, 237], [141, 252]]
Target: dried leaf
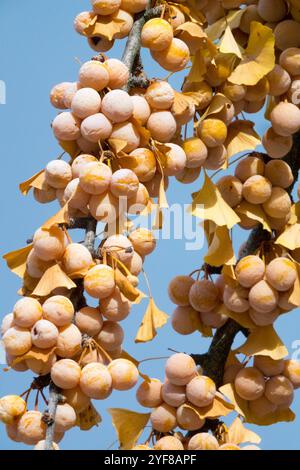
[[105, 26], [295, 295], [219, 407], [181, 103], [62, 217], [229, 45], [141, 296], [35, 353], [241, 136], [229, 275], [220, 250], [117, 145], [198, 68], [240, 405], [290, 238], [264, 341], [71, 147], [254, 212], [233, 19], [154, 318], [16, 260], [238, 434], [35, 181], [191, 10], [130, 292], [52, 278], [129, 425], [242, 319], [88, 418], [259, 57], [208, 204]]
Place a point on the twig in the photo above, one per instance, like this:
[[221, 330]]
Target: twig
[[49, 415]]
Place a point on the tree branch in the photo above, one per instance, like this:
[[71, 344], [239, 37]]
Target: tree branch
[[49, 415]]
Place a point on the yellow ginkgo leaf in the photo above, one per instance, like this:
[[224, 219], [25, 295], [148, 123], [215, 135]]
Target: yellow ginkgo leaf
[[254, 212], [242, 319], [240, 405], [294, 298], [117, 145], [193, 29], [153, 319], [219, 407], [71, 147], [259, 57], [241, 136], [35, 181], [220, 250], [208, 204], [130, 292], [61, 217], [139, 299], [191, 10], [217, 104], [277, 416], [88, 418], [264, 341], [233, 19], [35, 353], [181, 103], [16, 260], [238, 434], [129, 425], [53, 278], [229, 45], [198, 68], [105, 26], [290, 238]]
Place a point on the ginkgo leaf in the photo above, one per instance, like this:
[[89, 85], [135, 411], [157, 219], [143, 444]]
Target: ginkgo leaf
[[198, 68], [259, 57], [217, 104], [241, 136], [294, 298], [220, 250], [35, 181], [233, 19], [35, 353], [117, 145], [193, 30], [130, 292], [290, 238], [16, 260], [53, 278], [105, 26], [264, 341], [277, 416], [229, 45], [229, 275], [242, 319], [240, 405], [88, 418], [153, 319], [125, 355], [208, 204], [71, 147], [238, 434], [129, 425], [254, 212], [219, 407], [62, 217], [181, 102], [191, 10]]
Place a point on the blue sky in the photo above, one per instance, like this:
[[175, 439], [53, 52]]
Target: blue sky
[[39, 48]]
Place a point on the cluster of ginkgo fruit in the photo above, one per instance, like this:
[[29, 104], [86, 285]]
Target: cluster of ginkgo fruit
[[268, 386], [258, 184]]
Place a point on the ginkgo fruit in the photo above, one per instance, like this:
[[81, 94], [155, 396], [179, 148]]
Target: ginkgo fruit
[[236, 298], [116, 307], [160, 95], [263, 297], [279, 204], [118, 73], [188, 175], [231, 189], [203, 295], [279, 81], [17, 341], [180, 369], [125, 26], [117, 106], [185, 115], [279, 390], [79, 162], [41, 445], [139, 201], [124, 183], [175, 160], [66, 374], [31, 428], [40, 367], [35, 266], [259, 91], [149, 394], [141, 108], [143, 241], [69, 95], [153, 186], [44, 195], [104, 207], [58, 174], [264, 318], [163, 418], [261, 407], [85, 103], [250, 270], [106, 7], [257, 189], [272, 11], [76, 260], [203, 441], [168, 443], [89, 320], [281, 274], [96, 127], [58, 310], [143, 163], [285, 119], [65, 417], [93, 74], [284, 301], [173, 395], [279, 173], [201, 391], [249, 383], [248, 167], [124, 374], [127, 132], [287, 34], [184, 320], [216, 158], [268, 366], [7, 322], [213, 319], [162, 126], [66, 126], [212, 132], [77, 399], [57, 95], [44, 334], [27, 312], [12, 407], [49, 244], [157, 34], [75, 196], [68, 341], [95, 178], [234, 92], [292, 371], [96, 381], [83, 20], [188, 419], [99, 282], [174, 58], [289, 60], [111, 336], [250, 14]]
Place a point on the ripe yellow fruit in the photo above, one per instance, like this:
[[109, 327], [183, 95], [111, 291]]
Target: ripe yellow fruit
[[248, 167], [17, 341], [249, 383], [89, 320], [250, 270], [279, 204], [162, 126], [230, 373], [184, 115], [174, 58], [258, 92], [284, 302], [163, 418], [180, 369], [58, 310], [142, 161], [128, 132], [138, 202], [57, 95], [285, 119], [279, 81], [229, 446], [281, 274], [216, 158], [105, 7], [126, 25], [124, 183], [68, 341], [39, 367], [96, 127], [117, 106], [175, 161], [118, 73], [203, 441], [66, 126], [279, 173], [234, 92], [27, 312], [173, 395], [250, 14], [82, 21], [212, 132], [70, 93], [99, 282], [289, 60], [12, 431], [44, 195], [143, 241], [185, 320], [287, 35], [104, 207], [134, 6], [263, 298], [93, 74], [96, 381], [188, 175], [141, 109], [66, 374], [203, 296], [76, 260], [7, 322], [44, 334], [153, 185], [261, 407], [116, 307], [77, 399], [292, 372], [264, 319], [20, 367], [236, 299], [279, 390], [65, 418], [111, 336], [160, 95], [135, 264], [75, 196], [268, 366], [214, 319], [231, 189], [177, 17], [80, 162], [201, 391], [12, 407], [271, 10], [58, 174], [279, 224], [41, 445], [157, 34], [168, 443], [188, 419], [124, 374], [148, 394], [257, 189], [85, 103], [31, 428]]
